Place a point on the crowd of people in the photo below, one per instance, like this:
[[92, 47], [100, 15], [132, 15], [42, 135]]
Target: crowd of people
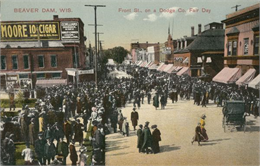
[[62, 114]]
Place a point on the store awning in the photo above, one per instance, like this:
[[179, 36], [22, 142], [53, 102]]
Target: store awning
[[49, 83], [153, 67], [160, 66], [228, 75], [139, 63], [246, 78], [171, 69], [184, 70], [177, 69], [168, 67], [143, 64], [148, 64], [161, 69], [186, 60], [255, 83]]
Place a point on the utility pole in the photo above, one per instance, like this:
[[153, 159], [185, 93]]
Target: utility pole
[[98, 33], [95, 12], [235, 7]]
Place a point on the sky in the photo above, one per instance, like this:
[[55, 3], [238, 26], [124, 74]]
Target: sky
[[127, 21]]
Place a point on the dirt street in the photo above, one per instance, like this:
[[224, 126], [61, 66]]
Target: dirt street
[[177, 124]]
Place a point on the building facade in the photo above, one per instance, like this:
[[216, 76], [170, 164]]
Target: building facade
[[242, 39], [33, 52]]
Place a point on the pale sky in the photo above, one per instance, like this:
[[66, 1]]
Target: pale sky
[[121, 25]]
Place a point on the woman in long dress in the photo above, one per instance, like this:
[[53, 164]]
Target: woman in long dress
[[202, 126]]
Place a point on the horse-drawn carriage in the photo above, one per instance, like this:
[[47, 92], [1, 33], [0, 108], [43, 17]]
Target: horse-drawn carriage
[[234, 113]]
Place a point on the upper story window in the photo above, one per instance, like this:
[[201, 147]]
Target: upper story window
[[256, 44], [3, 62], [26, 62], [232, 47], [246, 40], [41, 61], [15, 62], [53, 61]]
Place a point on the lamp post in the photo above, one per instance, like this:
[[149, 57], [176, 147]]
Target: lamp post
[[95, 16]]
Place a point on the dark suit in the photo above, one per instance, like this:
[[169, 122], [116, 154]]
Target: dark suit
[[156, 135], [73, 155]]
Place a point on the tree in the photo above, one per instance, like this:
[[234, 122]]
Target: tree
[[118, 54]]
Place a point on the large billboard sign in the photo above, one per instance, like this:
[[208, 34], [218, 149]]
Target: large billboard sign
[[69, 31], [30, 31]]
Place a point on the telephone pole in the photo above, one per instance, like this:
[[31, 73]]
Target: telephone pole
[[95, 17], [235, 7]]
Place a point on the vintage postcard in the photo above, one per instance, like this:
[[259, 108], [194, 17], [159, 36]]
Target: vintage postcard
[[129, 82]]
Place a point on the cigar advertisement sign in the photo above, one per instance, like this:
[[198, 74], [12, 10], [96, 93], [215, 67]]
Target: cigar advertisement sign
[[69, 31], [29, 31]]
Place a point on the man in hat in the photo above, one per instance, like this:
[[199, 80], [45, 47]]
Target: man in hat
[[73, 153], [120, 120], [32, 132], [62, 150], [156, 101], [134, 118], [114, 120], [140, 138], [147, 138], [67, 128], [156, 135], [78, 137], [49, 151], [39, 148], [125, 128]]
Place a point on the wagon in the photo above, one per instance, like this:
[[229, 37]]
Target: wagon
[[234, 113]]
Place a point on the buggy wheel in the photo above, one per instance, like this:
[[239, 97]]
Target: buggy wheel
[[244, 125]]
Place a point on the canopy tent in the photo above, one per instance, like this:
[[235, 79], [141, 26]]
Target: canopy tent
[[168, 67], [153, 67], [246, 78], [48, 83], [228, 75], [255, 83], [184, 70]]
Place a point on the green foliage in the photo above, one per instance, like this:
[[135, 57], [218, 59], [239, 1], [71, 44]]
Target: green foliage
[[19, 97], [117, 54], [5, 103]]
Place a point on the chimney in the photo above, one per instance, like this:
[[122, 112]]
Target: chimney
[[199, 30], [192, 31], [55, 17]]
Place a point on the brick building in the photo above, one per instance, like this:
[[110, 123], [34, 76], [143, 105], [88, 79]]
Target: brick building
[[241, 55], [42, 52], [242, 39]]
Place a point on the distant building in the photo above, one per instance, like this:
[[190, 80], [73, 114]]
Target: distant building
[[201, 54]]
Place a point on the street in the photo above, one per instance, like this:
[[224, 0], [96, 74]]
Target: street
[[177, 125]]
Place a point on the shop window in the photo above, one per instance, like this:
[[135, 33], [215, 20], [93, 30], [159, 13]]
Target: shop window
[[256, 44], [40, 75], [15, 62], [53, 61], [246, 46], [26, 62], [3, 62], [41, 61], [56, 75], [23, 76]]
